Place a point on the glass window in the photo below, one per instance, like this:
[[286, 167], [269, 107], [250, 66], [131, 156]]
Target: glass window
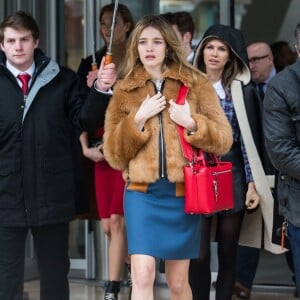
[[74, 32]]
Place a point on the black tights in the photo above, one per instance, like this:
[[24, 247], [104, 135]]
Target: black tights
[[228, 231]]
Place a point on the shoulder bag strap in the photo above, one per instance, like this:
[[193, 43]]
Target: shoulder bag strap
[[187, 149]]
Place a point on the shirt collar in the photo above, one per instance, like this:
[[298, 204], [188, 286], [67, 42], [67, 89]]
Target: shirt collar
[[16, 72], [190, 57], [271, 75], [219, 89]]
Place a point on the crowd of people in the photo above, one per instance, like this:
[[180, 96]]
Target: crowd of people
[[242, 105]]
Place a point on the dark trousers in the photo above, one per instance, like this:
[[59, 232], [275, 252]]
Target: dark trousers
[[51, 248], [246, 265], [294, 238]]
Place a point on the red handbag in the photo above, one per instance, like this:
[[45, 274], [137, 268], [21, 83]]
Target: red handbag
[[208, 184]]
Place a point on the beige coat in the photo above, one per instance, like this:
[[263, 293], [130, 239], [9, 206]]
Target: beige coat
[[257, 227], [137, 152]]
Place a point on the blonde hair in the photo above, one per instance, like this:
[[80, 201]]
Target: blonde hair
[[174, 52]]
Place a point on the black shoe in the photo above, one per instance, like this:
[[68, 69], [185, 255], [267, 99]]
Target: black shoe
[[112, 290], [296, 294], [110, 296], [241, 292]]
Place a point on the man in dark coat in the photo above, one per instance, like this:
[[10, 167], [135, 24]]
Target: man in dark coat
[[36, 168], [282, 135]]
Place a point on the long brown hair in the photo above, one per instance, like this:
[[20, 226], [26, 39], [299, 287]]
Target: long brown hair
[[175, 53]]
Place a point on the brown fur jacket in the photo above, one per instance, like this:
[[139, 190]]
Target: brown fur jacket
[[137, 152]]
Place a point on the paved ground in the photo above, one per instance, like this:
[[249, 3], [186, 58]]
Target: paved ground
[[91, 290]]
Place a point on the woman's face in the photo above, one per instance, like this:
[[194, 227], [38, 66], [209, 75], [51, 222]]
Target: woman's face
[[215, 55], [151, 48], [120, 30]]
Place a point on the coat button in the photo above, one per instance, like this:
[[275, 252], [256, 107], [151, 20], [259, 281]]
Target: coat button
[[282, 177]]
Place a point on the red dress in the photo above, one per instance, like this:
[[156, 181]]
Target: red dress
[[109, 187]]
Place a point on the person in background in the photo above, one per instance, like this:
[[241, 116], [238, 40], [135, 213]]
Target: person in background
[[141, 139], [184, 27], [262, 71], [283, 55], [261, 66], [40, 103], [109, 184], [281, 131], [222, 55]]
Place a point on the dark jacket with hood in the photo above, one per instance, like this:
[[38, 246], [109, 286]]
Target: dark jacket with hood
[[36, 167]]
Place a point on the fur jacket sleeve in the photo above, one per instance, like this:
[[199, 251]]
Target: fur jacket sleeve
[[138, 153]]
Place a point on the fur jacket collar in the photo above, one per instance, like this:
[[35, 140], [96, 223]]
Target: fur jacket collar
[[140, 77]]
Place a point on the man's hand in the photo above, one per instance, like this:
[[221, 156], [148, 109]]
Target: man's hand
[[106, 76]]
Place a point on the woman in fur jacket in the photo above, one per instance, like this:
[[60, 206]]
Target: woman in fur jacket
[[141, 140]]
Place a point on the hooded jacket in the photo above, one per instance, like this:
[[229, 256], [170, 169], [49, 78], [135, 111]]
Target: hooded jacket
[[137, 152], [36, 162]]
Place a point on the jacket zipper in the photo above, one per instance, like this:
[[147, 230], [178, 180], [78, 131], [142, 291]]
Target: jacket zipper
[[158, 88], [161, 138]]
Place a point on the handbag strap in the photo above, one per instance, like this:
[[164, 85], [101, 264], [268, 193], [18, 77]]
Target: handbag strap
[[187, 149], [188, 152]]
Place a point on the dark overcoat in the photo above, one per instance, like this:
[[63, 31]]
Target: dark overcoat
[[36, 165]]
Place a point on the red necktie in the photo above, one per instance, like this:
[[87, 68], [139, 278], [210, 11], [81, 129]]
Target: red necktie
[[24, 79]]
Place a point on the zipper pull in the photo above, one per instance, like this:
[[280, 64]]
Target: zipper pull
[[215, 183]]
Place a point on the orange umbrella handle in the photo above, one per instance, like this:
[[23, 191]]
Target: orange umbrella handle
[[108, 58], [94, 67]]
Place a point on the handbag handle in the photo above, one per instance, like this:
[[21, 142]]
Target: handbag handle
[[187, 149]]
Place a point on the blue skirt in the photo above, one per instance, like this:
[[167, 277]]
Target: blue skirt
[[157, 225]]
